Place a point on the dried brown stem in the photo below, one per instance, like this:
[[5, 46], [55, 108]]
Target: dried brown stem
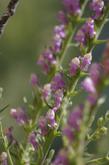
[[10, 10]]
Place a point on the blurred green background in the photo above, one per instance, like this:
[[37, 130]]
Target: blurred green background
[[24, 38]]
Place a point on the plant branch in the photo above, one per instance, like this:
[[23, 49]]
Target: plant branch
[[10, 10], [6, 145]]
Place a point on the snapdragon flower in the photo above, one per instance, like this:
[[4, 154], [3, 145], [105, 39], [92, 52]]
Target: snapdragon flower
[[57, 82], [32, 139], [33, 79], [19, 115], [73, 123], [43, 125], [95, 72], [105, 63], [72, 6], [88, 85], [74, 66], [9, 134], [62, 17], [97, 7], [85, 62], [51, 118], [47, 60], [80, 63]]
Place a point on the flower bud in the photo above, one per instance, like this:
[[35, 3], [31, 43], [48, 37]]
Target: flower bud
[[86, 61], [74, 66], [19, 115], [103, 131], [88, 85], [33, 140], [100, 122], [34, 79]]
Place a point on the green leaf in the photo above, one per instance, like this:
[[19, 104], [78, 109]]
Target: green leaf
[[99, 42]]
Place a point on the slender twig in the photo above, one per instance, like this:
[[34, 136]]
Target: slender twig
[[10, 10], [6, 145], [4, 108], [99, 160]]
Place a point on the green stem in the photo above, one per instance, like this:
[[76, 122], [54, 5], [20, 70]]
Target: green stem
[[103, 22], [6, 144], [4, 108], [65, 49], [98, 161], [83, 7], [47, 146], [82, 135]]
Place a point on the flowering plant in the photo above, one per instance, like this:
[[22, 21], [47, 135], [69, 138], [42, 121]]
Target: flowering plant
[[52, 114]]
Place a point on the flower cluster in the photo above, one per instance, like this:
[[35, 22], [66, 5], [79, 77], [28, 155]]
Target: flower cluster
[[52, 94], [87, 32], [48, 58], [80, 64], [71, 8]]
